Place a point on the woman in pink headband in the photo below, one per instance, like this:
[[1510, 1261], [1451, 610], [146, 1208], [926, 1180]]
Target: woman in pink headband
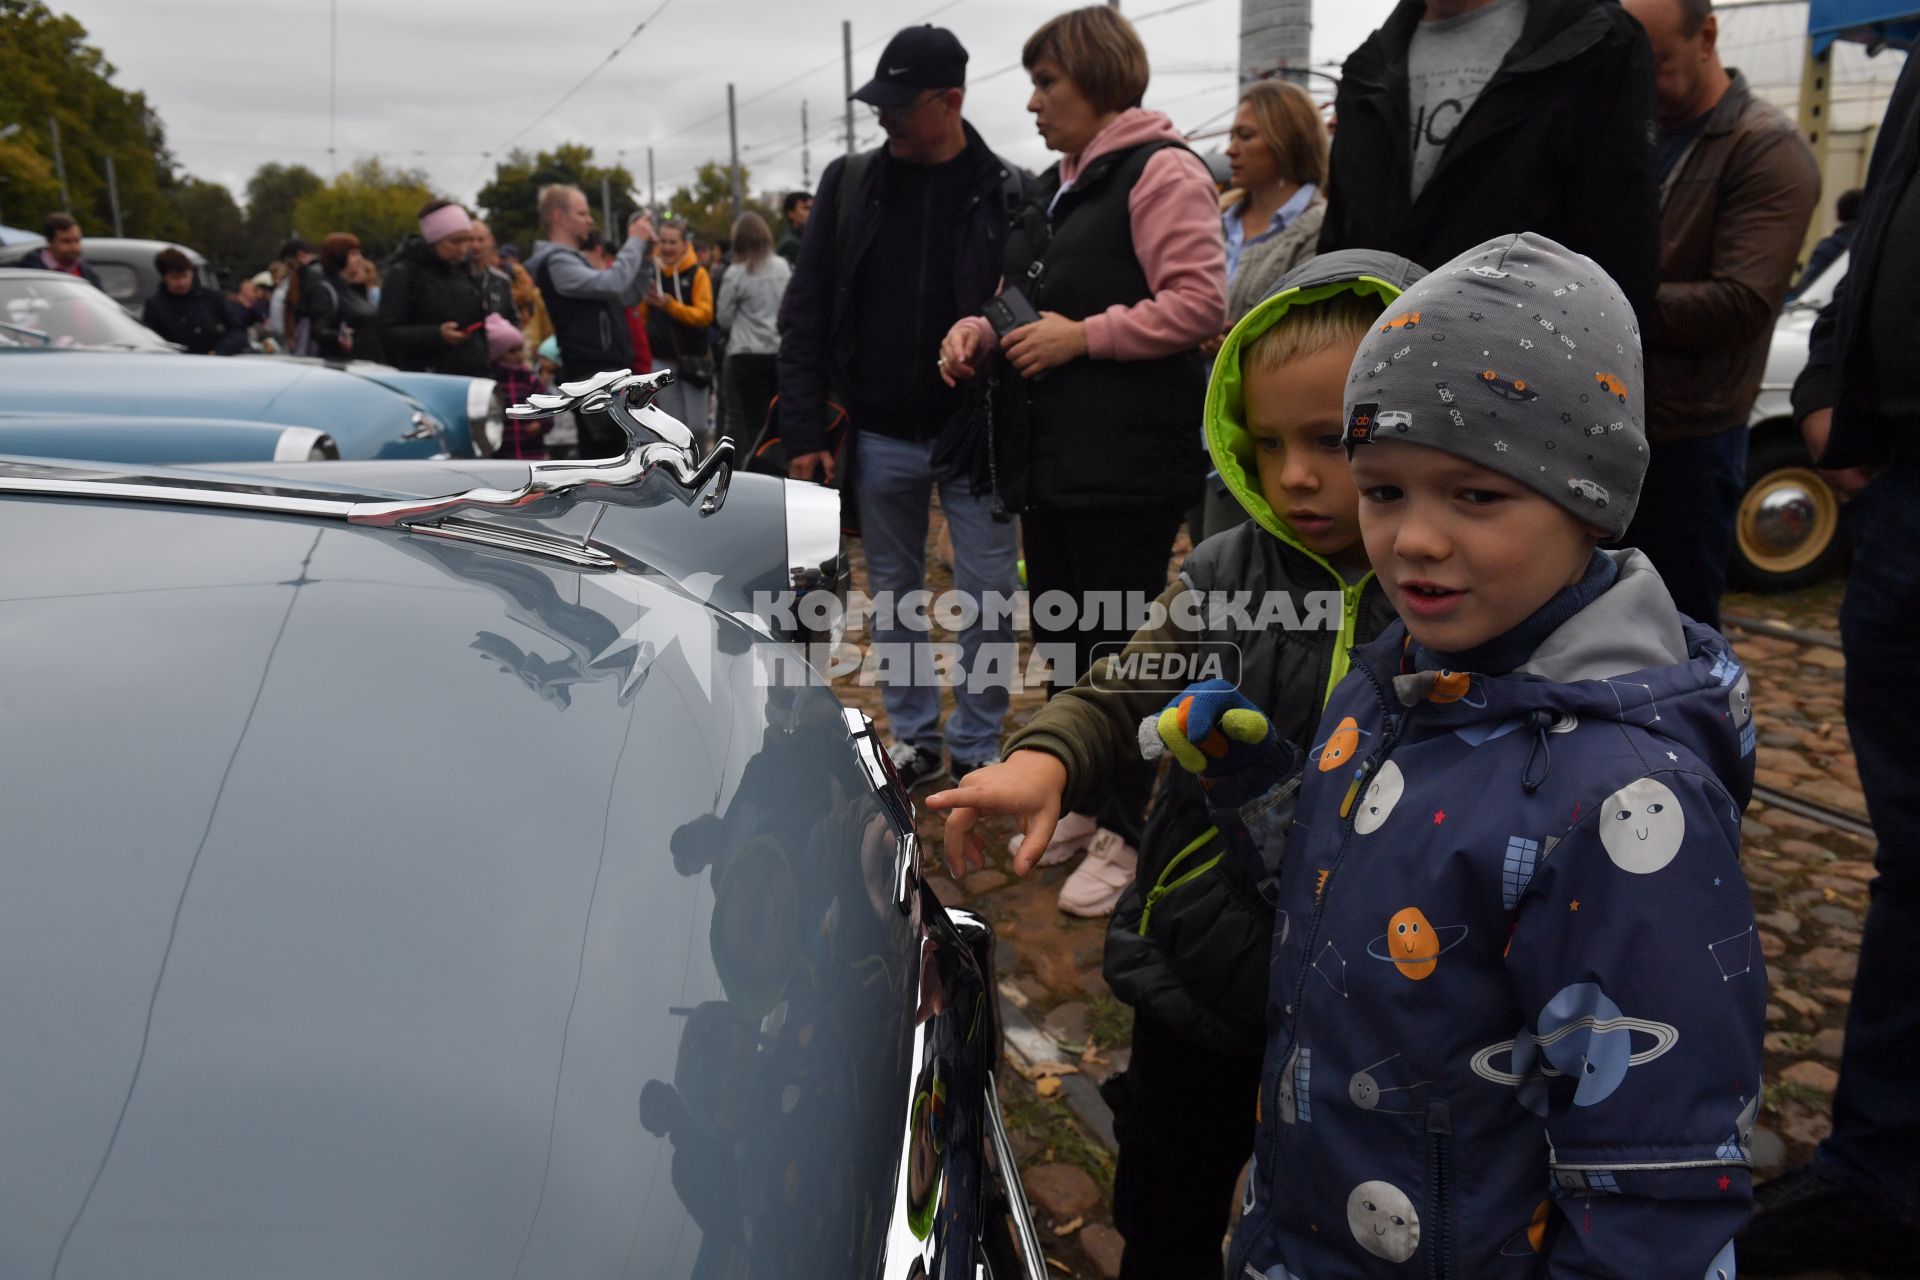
[[447, 220], [432, 309]]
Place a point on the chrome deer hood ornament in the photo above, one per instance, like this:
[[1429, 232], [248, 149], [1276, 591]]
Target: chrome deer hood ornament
[[659, 444]]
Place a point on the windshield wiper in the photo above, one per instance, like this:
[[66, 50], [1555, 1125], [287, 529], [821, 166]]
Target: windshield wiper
[[41, 334]]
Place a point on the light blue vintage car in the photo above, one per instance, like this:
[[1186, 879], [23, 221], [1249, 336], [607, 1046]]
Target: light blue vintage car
[[438, 870], [79, 378]]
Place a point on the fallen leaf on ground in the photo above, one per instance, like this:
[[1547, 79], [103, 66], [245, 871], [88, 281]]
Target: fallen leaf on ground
[[1068, 1228], [1049, 1068], [1047, 1086]]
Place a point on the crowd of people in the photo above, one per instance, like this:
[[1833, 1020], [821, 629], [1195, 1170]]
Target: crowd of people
[[1475, 365]]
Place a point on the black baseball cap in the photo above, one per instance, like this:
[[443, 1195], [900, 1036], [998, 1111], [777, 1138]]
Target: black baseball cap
[[918, 58]]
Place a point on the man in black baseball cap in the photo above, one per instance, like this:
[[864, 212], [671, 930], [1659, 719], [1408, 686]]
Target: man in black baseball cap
[[917, 59], [903, 241]]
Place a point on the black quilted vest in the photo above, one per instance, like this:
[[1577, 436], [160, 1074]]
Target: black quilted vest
[[592, 332], [1096, 434]]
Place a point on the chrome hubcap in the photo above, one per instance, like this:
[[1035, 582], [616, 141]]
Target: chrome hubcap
[[1787, 520], [1784, 519]]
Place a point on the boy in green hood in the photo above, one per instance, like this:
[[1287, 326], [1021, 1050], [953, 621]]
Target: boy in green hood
[[1290, 593]]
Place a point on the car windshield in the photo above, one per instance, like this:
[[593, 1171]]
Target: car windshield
[[46, 309]]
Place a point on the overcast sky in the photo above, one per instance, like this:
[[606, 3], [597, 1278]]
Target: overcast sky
[[432, 84]]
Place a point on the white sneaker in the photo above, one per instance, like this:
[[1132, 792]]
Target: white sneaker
[[1094, 888], [1071, 834]]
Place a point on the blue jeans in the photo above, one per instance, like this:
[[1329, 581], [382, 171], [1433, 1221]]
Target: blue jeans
[[894, 484], [1876, 1111], [1689, 503]]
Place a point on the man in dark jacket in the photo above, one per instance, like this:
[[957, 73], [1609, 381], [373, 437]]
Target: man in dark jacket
[[1737, 188], [794, 211], [186, 312], [62, 252], [432, 307], [930, 206], [1460, 120], [1855, 1208], [496, 283]]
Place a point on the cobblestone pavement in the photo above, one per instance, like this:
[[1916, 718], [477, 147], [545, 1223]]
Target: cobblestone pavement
[[1809, 883]]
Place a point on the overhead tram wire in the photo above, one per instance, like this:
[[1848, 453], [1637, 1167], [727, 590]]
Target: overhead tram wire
[[582, 83], [788, 83], [834, 62]]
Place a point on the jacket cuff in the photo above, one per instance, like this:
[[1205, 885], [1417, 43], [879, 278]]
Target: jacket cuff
[[1055, 746], [803, 440], [1100, 337]]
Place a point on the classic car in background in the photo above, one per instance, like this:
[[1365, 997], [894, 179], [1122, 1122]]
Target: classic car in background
[[408, 885], [125, 267], [67, 351], [1790, 531]]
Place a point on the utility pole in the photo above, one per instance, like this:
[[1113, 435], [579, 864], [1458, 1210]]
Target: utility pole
[[606, 206], [846, 56], [806, 154], [733, 148], [113, 198], [653, 193], [60, 158], [333, 81]]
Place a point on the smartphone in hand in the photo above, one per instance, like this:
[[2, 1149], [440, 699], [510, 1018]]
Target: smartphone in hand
[[1009, 311]]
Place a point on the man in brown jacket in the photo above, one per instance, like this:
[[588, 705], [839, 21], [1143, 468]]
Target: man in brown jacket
[[1737, 188]]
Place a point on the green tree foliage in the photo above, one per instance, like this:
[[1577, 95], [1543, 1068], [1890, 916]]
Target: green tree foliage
[[510, 202], [707, 205], [211, 222], [28, 188], [272, 193], [48, 70], [370, 200]]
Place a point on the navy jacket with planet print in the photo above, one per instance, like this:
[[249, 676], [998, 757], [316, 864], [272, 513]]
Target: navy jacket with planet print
[[1517, 998]]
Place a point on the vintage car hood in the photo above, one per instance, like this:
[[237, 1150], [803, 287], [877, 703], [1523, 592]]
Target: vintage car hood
[[364, 417], [382, 906]]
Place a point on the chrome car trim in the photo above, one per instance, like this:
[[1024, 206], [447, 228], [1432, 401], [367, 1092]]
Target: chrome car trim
[[1032, 1256], [210, 495], [296, 444], [533, 540], [816, 562], [422, 429], [814, 548], [872, 755], [482, 406]]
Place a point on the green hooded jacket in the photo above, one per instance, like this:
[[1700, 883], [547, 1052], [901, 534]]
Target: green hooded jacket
[[1291, 618]]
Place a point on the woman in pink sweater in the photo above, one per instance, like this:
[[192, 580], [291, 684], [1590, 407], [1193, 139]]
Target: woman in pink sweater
[[1095, 407]]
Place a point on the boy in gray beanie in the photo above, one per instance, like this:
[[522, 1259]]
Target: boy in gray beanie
[[1515, 1003]]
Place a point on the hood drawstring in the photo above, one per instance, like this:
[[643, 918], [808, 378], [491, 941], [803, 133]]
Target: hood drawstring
[[1538, 721]]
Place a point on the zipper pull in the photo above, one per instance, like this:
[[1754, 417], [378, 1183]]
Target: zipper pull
[[1353, 792]]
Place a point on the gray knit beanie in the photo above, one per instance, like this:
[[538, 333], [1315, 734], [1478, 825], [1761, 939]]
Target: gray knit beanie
[[1520, 356]]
